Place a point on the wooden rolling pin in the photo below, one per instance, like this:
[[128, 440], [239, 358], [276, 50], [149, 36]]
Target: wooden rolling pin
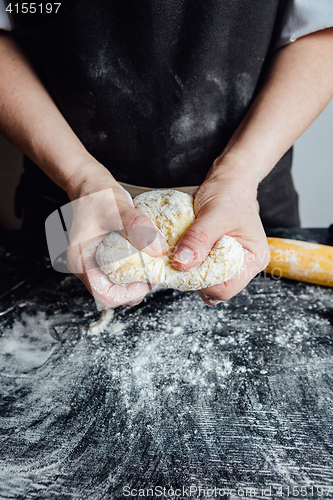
[[301, 260]]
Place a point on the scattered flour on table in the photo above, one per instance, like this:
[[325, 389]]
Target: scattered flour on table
[[102, 323], [97, 327], [180, 378]]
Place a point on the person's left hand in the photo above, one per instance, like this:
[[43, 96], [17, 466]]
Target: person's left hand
[[224, 205]]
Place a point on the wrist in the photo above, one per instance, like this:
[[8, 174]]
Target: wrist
[[89, 177], [235, 171]]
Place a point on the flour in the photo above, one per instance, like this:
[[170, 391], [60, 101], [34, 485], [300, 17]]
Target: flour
[[100, 325], [105, 322], [236, 396]]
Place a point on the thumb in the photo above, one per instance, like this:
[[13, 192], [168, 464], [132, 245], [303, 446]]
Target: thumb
[[196, 243], [142, 233]]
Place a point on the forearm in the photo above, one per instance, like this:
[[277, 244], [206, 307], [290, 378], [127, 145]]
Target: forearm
[[297, 87], [31, 120]]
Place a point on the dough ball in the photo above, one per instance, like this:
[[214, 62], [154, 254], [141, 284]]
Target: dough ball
[[172, 213]]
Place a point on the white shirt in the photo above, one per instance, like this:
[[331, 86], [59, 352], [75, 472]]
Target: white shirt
[[4, 20], [302, 17]]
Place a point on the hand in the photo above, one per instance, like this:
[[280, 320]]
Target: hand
[[101, 207], [295, 89], [224, 206]]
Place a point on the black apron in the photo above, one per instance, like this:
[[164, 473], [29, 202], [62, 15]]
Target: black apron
[[154, 90]]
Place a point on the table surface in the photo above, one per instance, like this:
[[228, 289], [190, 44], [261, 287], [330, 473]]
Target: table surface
[[167, 394]]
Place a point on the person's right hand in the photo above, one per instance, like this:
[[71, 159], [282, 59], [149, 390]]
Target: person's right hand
[[101, 206]]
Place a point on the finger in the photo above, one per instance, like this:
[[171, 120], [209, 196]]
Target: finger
[[142, 233], [81, 256], [111, 295], [81, 259], [116, 295], [197, 242], [135, 302], [208, 299], [81, 262]]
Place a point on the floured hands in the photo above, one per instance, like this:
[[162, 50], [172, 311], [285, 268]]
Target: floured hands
[[96, 214], [224, 206]]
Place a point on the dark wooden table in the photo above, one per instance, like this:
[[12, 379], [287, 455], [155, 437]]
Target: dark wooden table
[[172, 398]]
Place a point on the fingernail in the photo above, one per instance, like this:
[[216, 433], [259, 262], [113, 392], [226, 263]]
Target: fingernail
[[211, 300], [184, 255], [135, 302]]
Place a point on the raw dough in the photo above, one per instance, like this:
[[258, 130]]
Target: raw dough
[[172, 213]]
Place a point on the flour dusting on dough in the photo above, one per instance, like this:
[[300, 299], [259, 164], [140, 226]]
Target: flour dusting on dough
[[172, 213]]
